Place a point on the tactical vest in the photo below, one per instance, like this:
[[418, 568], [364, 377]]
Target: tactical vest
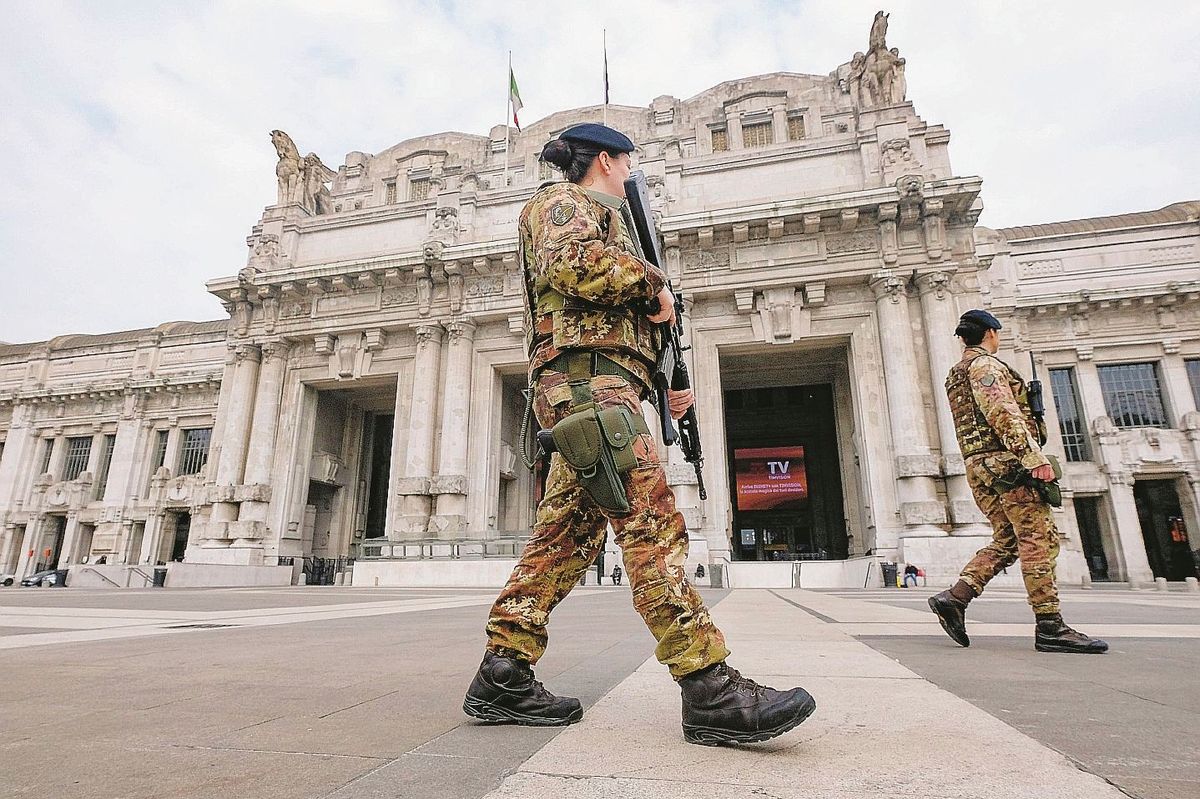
[[975, 435], [556, 323]]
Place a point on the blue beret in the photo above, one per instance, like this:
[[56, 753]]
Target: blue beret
[[981, 318], [601, 136]]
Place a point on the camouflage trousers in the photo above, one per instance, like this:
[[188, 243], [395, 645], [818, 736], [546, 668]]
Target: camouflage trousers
[[569, 530], [1023, 528]]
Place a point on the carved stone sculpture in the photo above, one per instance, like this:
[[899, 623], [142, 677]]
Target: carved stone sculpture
[[288, 170], [301, 180], [876, 79]]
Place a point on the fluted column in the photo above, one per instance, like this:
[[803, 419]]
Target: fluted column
[[450, 484], [263, 433], [940, 315], [916, 465], [235, 437], [413, 487]]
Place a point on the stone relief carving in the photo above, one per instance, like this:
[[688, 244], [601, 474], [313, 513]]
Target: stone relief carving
[[445, 225], [850, 242], [703, 260], [399, 296], [486, 286], [876, 78]]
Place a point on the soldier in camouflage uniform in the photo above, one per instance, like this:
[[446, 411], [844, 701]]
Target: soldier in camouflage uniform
[[592, 342], [1001, 443]]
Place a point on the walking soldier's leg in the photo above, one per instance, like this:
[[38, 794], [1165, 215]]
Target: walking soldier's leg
[[1037, 543], [567, 533], [1002, 551]]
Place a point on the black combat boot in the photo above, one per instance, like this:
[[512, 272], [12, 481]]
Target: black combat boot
[[952, 613], [504, 692], [1054, 636], [721, 707]]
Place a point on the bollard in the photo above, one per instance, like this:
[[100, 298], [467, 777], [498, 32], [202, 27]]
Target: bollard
[[1160, 584], [1193, 584], [1086, 582]]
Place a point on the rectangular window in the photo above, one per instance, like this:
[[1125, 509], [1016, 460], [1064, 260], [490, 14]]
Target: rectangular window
[[1193, 373], [1133, 395], [720, 140], [160, 450], [389, 193], [418, 189], [194, 452], [545, 171], [106, 454], [1070, 414], [795, 127], [79, 449], [758, 135], [47, 455]]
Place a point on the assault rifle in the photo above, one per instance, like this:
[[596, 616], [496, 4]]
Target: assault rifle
[[1033, 391], [670, 373]]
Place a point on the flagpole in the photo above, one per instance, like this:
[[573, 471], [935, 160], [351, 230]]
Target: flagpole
[[604, 41], [507, 115]]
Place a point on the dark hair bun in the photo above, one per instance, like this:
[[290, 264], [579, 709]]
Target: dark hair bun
[[558, 152], [966, 327]]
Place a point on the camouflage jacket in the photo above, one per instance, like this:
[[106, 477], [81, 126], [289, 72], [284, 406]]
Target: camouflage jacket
[[991, 409], [585, 279]]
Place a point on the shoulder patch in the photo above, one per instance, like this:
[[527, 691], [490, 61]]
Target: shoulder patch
[[988, 380], [562, 213]]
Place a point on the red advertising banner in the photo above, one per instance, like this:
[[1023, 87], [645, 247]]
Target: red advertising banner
[[770, 477]]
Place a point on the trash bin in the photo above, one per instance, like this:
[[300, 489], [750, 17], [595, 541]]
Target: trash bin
[[716, 573], [160, 578], [889, 574]]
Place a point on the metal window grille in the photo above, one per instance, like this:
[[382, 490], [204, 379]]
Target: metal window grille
[[389, 193], [720, 140], [1070, 415], [795, 127], [194, 452], [106, 454], [160, 450], [78, 451], [1193, 373], [418, 189], [47, 454], [758, 135], [1133, 395]]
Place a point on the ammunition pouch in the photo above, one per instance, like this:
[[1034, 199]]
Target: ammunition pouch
[[598, 445]]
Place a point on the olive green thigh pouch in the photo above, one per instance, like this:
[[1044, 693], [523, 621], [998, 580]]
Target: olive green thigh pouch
[[599, 447]]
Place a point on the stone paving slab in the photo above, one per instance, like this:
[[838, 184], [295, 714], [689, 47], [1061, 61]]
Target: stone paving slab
[[880, 731]]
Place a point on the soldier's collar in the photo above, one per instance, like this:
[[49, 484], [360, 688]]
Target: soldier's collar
[[980, 350], [609, 200]]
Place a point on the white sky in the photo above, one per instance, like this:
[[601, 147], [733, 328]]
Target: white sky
[[135, 134]]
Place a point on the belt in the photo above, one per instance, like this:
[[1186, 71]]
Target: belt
[[582, 365]]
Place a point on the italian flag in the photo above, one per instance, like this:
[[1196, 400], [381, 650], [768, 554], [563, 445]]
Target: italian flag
[[514, 97]]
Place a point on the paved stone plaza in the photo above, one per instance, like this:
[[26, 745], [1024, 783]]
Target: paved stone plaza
[[348, 693]]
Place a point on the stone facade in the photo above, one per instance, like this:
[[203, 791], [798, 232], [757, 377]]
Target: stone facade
[[364, 394]]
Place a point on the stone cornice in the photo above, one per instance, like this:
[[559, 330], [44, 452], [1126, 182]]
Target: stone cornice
[[111, 389], [964, 190], [1086, 300]]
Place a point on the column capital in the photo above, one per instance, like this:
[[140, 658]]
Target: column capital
[[247, 352], [887, 285], [275, 350], [429, 333], [938, 283], [459, 331]]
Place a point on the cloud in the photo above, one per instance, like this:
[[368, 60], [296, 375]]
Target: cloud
[[135, 133]]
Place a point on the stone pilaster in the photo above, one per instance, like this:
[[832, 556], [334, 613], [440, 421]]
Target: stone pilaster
[[916, 465], [450, 483], [414, 487], [940, 314], [28, 554], [231, 465], [66, 554], [263, 433], [1130, 543]]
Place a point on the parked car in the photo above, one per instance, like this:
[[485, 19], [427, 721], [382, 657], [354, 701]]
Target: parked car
[[7, 579], [48, 578]]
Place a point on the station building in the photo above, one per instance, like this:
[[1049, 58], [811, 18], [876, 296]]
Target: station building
[[358, 411]]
